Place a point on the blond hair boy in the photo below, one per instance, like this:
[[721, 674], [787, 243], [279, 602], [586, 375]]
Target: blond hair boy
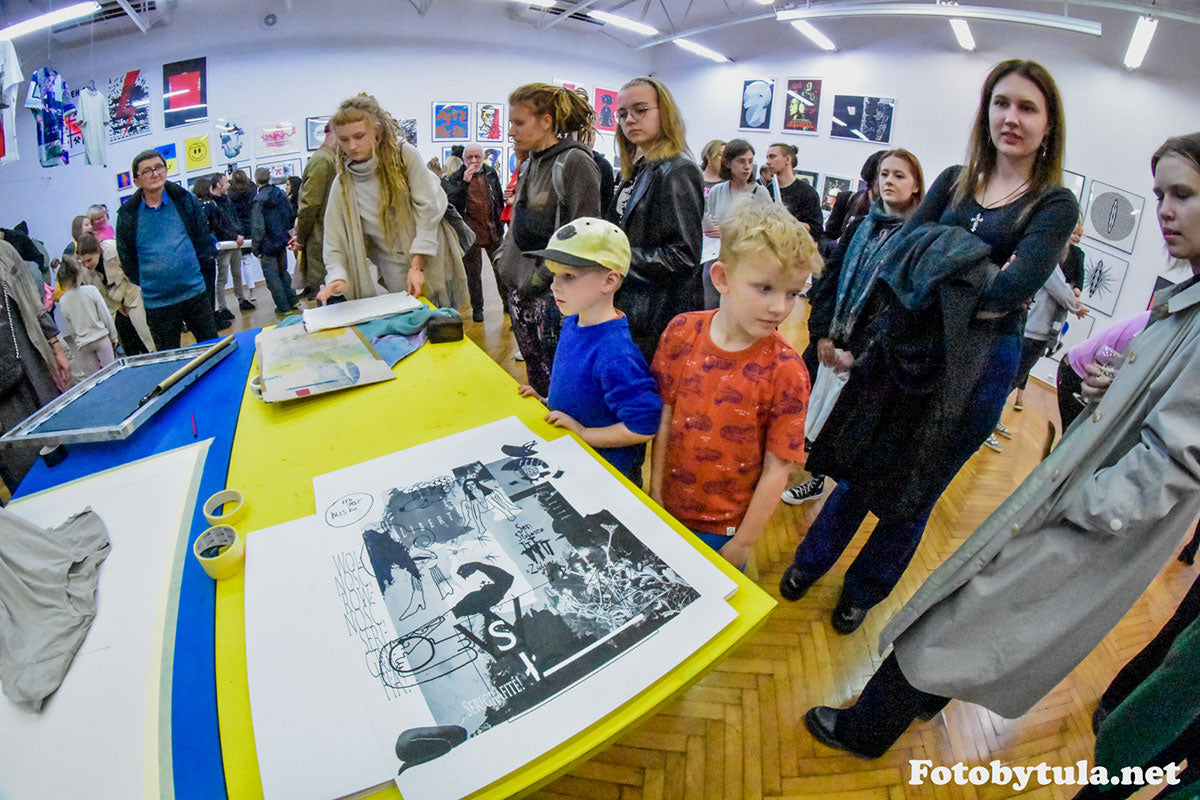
[[734, 391]]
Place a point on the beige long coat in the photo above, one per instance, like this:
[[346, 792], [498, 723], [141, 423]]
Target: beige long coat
[[1047, 576]]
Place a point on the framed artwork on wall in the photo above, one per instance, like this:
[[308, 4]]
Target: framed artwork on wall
[[232, 137], [1113, 216], [128, 106], [808, 177], [185, 92], [606, 110], [445, 155], [314, 132], [282, 170], [171, 156], [451, 122], [832, 188], [409, 128], [862, 118], [196, 155], [802, 105], [1075, 331], [489, 122], [276, 139], [568, 83], [1103, 277], [758, 96], [494, 157], [1074, 181]]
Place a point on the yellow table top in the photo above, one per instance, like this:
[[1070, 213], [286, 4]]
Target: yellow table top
[[440, 389]]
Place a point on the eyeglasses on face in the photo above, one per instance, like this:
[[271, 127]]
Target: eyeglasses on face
[[161, 169], [637, 112]]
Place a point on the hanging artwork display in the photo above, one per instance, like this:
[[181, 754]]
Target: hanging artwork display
[[1103, 277], [758, 95], [574, 85], [1113, 215], [280, 171], [451, 122], [446, 153], [489, 122], [171, 156], [802, 105], [232, 137], [1074, 181], [73, 134], [196, 154], [471, 604], [494, 157], [124, 181], [833, 187], [866, 119], [185, 92], [606, 110], [275, 139], [808, 177], [409, 128], [314, 132], [512, 163], [1075, 331], [128, 106]]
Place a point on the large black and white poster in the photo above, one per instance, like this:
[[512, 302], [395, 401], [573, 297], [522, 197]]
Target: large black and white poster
[[498, 594], [867, 119]]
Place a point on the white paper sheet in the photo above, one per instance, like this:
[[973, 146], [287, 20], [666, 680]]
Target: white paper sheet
[[103, 733], [342, 315], [527, 601]]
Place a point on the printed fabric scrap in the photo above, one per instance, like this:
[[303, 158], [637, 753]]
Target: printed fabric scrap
[[50, 102], [48, 584]]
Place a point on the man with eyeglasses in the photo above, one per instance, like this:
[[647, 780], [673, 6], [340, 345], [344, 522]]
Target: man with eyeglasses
[[165, 247]]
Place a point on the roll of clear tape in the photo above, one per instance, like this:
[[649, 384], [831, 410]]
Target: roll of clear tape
[[213, 507], [220, 551]]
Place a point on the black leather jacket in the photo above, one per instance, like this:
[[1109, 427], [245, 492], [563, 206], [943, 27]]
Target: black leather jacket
[[662, 220]]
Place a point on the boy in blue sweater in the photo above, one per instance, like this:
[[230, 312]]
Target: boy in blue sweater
[[600, 386]]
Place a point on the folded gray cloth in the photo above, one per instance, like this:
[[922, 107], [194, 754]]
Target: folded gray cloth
[[47, 600]]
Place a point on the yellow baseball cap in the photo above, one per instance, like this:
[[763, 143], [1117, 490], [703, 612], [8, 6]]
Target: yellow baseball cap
[[588, 242]]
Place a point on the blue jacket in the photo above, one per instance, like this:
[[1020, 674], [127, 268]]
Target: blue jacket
[[271, 219], [190, 211]]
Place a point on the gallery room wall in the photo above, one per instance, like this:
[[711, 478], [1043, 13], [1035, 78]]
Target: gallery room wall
[[313, 58], [1115, 119]]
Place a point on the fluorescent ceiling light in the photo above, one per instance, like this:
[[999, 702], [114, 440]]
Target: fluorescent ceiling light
[[1073, 24], [538, 3], [962, 32], [701, 50], [617, 21], [819, 39], [1139, 43], [50, 20], [765, 2]]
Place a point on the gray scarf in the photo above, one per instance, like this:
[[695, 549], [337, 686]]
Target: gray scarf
[[862, 265]]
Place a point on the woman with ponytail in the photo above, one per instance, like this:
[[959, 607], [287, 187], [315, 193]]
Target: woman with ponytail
[[558, 182], [659, 205], [384, 230]]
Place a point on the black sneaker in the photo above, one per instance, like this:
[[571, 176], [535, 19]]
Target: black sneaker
[[810, 489], [245, 305], [225, 314]]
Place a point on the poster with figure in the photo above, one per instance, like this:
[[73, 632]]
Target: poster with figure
[[865, 119], [494, 158], [758, 95], [276, 139], [128, 106], [1103, 277], [232, 137], [489, 122], [606, 110], [1113, 216], [451, 122], [185, 92], [801, 110], [808, 177], [833, 187], [489, 595]]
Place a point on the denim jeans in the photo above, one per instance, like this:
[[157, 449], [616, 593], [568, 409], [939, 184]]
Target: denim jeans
[[279, 283], [885, 555]]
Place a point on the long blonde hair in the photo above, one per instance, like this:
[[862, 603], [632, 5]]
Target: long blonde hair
[[672, 136], [981, 152], [571, 114], [393, 180]]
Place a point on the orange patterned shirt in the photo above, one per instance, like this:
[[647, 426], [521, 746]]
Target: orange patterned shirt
[[728, 410]]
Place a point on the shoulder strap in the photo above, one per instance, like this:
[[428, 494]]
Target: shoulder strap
[[556, 177]]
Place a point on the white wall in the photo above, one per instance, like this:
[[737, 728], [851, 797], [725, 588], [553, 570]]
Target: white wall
[[310, 61], [1115, 119]]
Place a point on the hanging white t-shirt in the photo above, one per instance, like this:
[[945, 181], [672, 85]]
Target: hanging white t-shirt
[[94, 118], [10, 79]]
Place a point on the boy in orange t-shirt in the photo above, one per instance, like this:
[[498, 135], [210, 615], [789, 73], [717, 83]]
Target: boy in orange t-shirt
[[734, 391]]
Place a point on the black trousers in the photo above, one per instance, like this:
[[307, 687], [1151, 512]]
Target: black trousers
[[166, 322], [1068, 384], [473, 265], [1031, 351], [127, 335], [887, 706]]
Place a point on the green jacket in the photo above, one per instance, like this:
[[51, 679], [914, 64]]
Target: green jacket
[[318, 177]]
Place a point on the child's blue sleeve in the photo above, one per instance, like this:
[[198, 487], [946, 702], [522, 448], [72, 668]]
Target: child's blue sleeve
[[630, 391]]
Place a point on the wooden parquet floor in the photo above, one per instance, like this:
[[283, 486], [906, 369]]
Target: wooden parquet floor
[[738, 733]]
